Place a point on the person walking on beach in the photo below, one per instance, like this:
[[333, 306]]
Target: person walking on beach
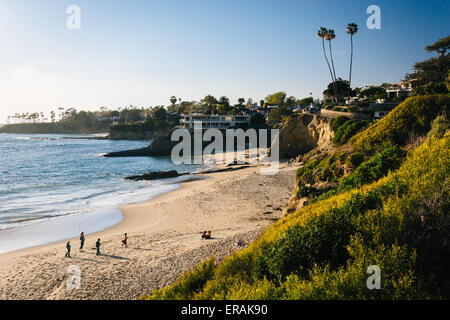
[[124, 241], [81, 241], [97, 245], [68, 246]]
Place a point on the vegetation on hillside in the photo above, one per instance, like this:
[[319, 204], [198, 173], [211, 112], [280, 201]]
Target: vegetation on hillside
[[346, 128], [408, 120], [399, 223]]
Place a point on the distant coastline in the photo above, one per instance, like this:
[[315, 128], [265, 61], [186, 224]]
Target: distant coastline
[[48, 128]]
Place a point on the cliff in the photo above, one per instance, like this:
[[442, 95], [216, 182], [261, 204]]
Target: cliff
[[303, 133]]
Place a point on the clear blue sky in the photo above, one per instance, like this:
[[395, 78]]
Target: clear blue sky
[[142, 52]]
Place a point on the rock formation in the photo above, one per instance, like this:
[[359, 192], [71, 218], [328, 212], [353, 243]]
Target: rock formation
[[304, 132]]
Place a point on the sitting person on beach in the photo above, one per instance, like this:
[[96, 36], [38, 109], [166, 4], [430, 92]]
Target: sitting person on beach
[[97, 245], [203, 235], [208, 235], [124, 241], [68, 246]]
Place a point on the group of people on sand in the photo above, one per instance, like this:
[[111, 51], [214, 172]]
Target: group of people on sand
[[206, 235], [97, 244]]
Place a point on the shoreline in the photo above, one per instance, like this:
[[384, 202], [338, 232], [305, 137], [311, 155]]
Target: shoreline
[[165, 228]]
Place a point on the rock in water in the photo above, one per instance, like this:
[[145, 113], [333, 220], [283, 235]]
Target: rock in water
[[156, 175], [161, 146]]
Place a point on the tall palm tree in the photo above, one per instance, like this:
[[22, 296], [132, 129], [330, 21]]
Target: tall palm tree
[[352, 28], [322, 33], [330, 35]]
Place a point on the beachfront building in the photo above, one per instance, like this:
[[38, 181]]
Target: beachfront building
[[215, 121], [401, 89]]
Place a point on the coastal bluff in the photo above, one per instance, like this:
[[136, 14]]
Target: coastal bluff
[[302, 133]]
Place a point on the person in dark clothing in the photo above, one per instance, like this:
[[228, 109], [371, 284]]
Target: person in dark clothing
[[68, 246], [97, 245], [124, 241], [81, 240]]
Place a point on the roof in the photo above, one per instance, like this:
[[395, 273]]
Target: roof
[[382, 106]]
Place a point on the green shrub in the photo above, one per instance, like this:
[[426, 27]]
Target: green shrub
[[374, 169], [308, 191], [323, 196], [439, 126], [329, 169], [322, 241], [338, 121], [396, 263], [348, 129], [354, 159]]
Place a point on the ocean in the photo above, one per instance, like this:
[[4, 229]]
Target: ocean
[[52, 187]]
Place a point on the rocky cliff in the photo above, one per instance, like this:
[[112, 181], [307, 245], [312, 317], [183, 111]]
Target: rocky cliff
[[303, 133], [304, 136]]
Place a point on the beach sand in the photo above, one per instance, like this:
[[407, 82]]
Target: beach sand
[[164, 239]]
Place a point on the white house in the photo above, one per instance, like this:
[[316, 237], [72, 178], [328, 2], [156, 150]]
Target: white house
[[213, 121], [403, 88]]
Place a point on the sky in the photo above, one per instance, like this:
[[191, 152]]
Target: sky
[[141, 52]]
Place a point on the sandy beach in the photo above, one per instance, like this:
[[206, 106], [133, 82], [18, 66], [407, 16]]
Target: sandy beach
[[164, 239]]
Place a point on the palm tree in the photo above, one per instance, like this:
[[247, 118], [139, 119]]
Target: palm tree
[[330, 35], [322, 33], [352, 28]]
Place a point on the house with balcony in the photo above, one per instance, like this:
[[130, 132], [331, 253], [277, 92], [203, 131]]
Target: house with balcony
[[213, 121], [401, 89]]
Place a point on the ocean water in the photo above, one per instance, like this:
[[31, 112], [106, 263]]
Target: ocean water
[[52, 187]]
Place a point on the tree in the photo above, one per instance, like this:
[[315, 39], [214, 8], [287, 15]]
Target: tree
[[322, 33], [372, 92], [173, 100], [340, 84], [305, 102], [258, 119], [352, 28], [291, 101], [278, 114], [441, 46], [276, 98], [209, 104], [160, 116], [330, 36], [241, 101], [434, 70], [224, 101], [61, 113]]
